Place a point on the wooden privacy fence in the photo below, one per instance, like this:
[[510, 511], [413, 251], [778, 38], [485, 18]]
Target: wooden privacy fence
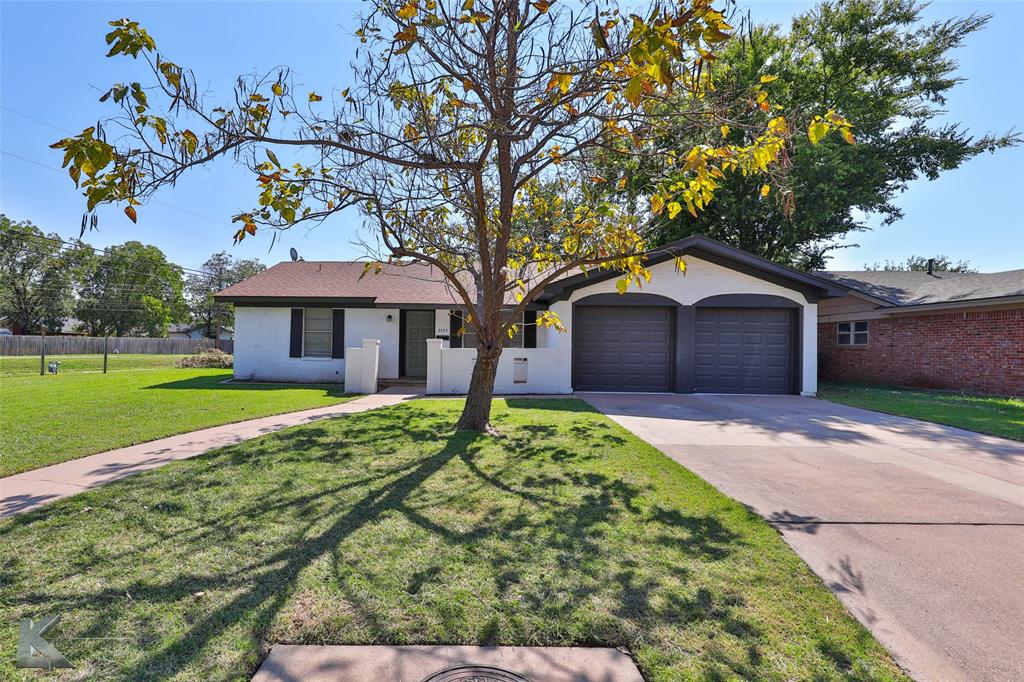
[[84, 345]]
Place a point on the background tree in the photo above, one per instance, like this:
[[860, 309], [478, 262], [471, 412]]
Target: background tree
[[36, 280], [462, 114], [920, 264], [884, 69], [131, 290], [219, 271]]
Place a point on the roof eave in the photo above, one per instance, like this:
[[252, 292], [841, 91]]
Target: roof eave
[[893, 309]]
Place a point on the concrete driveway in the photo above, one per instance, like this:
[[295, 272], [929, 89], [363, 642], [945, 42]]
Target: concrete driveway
[[918, 528]]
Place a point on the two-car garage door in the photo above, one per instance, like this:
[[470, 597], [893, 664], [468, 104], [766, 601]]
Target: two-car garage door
[[633, 348]]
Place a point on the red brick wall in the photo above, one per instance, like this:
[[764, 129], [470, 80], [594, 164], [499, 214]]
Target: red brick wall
[[976, 352]]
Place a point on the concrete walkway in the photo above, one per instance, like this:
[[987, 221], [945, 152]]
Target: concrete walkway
[[443, 663], [32, 489], [918, 528]]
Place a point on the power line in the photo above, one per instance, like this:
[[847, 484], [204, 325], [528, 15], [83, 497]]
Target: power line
[[152, 201], [188, 177], [77, 243], [161, 203], [71, 132]]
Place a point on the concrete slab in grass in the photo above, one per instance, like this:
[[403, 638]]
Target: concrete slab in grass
[[419, 663]]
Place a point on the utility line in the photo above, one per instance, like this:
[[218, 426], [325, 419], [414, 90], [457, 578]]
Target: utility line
[[69, 132], [189, 177], [152, 201], [73, 244]]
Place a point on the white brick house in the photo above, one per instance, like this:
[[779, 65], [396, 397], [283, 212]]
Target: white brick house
[[735, 323]]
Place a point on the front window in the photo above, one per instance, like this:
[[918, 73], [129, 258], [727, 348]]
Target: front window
[[853, 333], [316, 333]]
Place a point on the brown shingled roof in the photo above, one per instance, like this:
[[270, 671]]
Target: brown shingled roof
[[414, 284]]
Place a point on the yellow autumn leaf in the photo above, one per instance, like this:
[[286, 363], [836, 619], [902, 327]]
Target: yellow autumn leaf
[[408, 10], [777, 125], [725, 131], [768, 78], [560, 81], [765, 189], [634, 90], [674, 208], [657, 203], [277, 89], [848, 136], [542, 6], [817, 130], [313, 97], [410, 131]]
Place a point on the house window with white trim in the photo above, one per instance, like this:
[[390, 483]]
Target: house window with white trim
[[853, 333], [316, 333]]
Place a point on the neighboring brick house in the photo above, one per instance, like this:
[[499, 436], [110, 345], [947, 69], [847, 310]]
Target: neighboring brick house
[[945, 330]]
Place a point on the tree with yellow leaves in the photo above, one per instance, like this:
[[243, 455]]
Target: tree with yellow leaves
[[469, 142]]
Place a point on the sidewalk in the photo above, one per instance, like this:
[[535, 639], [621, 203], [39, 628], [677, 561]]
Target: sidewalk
[[32, 489]]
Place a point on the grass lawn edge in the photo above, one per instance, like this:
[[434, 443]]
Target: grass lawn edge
[[835, 392], [12, 470]]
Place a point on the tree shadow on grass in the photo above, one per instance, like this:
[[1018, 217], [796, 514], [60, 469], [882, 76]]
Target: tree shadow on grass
[[386, 528], [223, 382]]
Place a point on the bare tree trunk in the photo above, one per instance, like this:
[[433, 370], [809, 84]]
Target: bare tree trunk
[[477, 412]]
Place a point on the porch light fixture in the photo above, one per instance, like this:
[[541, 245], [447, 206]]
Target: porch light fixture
[[389, 319]]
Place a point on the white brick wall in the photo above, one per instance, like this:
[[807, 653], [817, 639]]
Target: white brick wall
[[449, 370], [262, 337], [702, 279]]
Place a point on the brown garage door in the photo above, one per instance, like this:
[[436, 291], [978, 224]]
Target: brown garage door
[[622, 348], [744, 350]]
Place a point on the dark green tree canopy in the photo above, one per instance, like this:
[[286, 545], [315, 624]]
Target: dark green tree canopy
[[36, 278], [877, 64], [219, 271], [131, 290]]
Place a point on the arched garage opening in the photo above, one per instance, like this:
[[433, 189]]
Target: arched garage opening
[[624, 343], [746, 343]]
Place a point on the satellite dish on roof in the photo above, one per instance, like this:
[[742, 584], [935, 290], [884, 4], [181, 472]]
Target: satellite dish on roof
[[293, 253]]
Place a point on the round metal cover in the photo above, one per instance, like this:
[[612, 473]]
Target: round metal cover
[[476, 673]]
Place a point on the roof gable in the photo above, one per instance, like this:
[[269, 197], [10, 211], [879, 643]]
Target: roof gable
[[705, 248]]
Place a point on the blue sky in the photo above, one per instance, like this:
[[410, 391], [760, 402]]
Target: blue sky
[[53, 69]]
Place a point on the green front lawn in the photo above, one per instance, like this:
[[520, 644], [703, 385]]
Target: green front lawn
[[387, 527], [49, 419], [984, 414], [13, 365]]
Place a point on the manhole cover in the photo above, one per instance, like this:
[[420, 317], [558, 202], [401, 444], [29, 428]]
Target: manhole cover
[[476, 673]]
